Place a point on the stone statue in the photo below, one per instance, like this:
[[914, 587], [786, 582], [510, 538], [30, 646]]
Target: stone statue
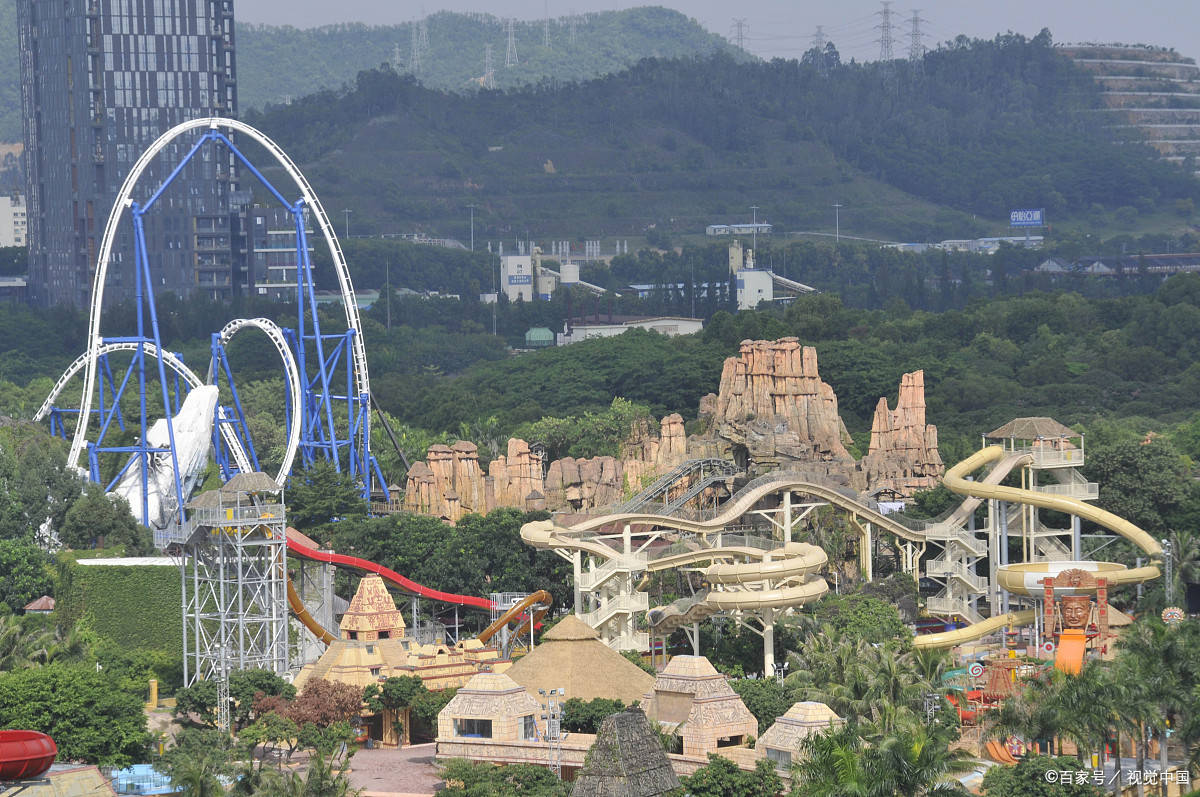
[[1076, 609]]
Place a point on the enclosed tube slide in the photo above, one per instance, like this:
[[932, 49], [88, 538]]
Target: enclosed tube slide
[[297, 548], [25, 754], [542, 599]]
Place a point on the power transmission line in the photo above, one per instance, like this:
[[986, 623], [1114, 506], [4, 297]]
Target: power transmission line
[[423, 32], [574, 25], [546, 26], [510, 54]]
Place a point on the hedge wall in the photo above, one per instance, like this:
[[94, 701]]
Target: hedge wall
[[136, 607]]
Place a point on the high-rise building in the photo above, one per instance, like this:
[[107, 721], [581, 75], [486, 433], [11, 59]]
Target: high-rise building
[[100, 81]]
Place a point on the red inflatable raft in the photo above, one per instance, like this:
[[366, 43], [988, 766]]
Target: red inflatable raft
[[25, 754]]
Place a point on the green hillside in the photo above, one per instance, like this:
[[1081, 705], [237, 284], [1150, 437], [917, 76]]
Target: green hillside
[[986, 127], [280, 62], [277, 63]]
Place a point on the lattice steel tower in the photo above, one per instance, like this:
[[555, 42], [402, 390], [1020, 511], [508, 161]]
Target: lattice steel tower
[[233, 562], [885, 31], [489, 71], [510, 54]]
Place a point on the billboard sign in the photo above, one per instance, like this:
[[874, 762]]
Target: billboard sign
[[520, 279], [1035, 217]]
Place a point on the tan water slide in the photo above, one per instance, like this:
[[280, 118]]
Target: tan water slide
[[790, 567], [1023, 578]]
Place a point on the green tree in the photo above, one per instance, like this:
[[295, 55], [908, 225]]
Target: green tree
[[766, 698], [581, 716], [468, 778], [96, 519], [197, 762], [319, 494], [26, 571], [722, 778], [80, 709], [1029, 779], [395, 694]]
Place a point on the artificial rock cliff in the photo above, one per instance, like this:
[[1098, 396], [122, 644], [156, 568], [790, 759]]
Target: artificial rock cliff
[[772, 411], [903, 455], [450, 482]]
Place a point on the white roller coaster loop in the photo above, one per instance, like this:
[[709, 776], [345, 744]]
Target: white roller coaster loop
[[170, 361], [124, 200], [291, 371]]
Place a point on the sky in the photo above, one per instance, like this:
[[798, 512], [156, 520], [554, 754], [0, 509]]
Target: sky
[[784, 28]]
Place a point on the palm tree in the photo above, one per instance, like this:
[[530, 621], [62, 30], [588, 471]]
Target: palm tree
[[196, 776], [915, 763], [20, 646], [832, 766], [1033, 714]]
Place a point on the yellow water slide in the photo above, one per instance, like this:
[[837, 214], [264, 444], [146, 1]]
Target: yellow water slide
[[790, 568], [948, 639], [955, 480], [1025, 578]]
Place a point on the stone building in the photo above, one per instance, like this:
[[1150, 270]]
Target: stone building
[[626, 760], [695, 702], [372, 646], [782, 741], [486, 717]]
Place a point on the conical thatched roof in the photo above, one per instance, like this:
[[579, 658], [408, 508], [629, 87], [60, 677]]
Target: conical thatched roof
[[209, 499], [257, 482], [1032, 429], [572, 657], [626, 760]]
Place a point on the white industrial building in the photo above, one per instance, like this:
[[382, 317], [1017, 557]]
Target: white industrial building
[[616, 325]]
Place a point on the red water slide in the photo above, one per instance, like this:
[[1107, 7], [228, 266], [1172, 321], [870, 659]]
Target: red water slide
[[25, 754], [298, 548]]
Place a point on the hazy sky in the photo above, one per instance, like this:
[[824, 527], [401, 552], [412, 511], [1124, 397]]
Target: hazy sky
[[785, 27]]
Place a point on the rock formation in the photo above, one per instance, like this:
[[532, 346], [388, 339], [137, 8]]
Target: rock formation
[[450, 483], [903, 455], [773, 411]]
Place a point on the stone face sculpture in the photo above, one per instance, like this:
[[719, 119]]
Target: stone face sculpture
[[193, 438], [1076, 609]]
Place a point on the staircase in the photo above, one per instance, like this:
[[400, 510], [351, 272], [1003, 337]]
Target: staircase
[[706, 471]]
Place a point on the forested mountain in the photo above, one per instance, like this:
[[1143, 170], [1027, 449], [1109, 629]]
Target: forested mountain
[[984, 127], [279, 62]]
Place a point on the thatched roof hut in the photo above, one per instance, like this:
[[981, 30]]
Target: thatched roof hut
[[572, 657], [626, 760]]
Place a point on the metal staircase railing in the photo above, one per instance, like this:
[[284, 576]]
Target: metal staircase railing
[[659, 487]]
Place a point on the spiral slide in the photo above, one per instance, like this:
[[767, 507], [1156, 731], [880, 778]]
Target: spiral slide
[[781, 578]]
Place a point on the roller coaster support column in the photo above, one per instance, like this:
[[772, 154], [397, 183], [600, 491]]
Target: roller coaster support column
[[768, 635]]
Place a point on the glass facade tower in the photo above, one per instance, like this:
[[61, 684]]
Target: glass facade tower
[[100, 81]]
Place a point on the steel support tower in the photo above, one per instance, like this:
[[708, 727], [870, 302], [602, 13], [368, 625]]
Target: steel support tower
[[233, 564]]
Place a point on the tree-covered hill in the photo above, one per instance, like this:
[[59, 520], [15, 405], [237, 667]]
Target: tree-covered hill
[[986, 126], [277, 63]]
